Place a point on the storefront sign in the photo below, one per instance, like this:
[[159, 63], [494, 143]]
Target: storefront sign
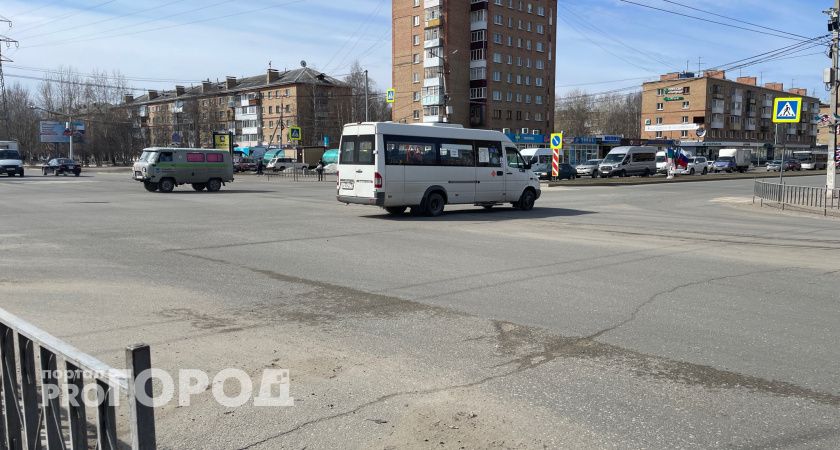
[[674, 99]]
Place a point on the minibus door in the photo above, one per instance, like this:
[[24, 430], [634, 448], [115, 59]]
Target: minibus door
[[517, 178]]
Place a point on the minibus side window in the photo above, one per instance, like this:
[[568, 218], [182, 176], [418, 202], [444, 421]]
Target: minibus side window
[[165, 157]]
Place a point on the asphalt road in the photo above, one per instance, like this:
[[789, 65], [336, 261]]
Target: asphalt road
[[661, 316]]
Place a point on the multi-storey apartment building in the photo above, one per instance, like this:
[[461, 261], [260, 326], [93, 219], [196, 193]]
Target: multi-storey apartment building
[[709, 112], [256, 109], [479, 63]]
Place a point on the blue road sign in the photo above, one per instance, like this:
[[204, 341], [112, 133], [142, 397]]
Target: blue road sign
[[787, 110]]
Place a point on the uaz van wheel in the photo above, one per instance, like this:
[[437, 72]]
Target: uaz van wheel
[[526, 202], [151, 187], [199, 186], [166, 185], [214, 185], [435, 204]]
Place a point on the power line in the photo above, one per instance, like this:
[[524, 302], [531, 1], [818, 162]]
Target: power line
[[357, 36], [788, 36], [89, 24], [734, 19], [66, 16], [94, 75], [93, 36]]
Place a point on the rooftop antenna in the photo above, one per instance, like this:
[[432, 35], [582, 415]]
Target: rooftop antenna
[[269, 64]]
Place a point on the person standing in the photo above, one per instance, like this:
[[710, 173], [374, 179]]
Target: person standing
[[320, 170], [260, 166]]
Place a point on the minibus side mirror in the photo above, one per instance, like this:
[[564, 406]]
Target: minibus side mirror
[[527, 166]]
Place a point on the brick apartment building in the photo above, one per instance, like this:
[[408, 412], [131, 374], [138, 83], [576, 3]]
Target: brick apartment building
[[256, 109], [709, 112], [491, 62]]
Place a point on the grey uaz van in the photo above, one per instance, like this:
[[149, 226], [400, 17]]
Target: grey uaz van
[[162, 169]]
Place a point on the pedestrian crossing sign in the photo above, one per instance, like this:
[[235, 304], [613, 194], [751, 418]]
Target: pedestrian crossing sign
[[294, 134], [390, 95], [787, 110]]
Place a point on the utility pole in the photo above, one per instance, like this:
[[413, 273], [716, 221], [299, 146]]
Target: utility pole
[[367, 100], [4, 112], [834, 26]]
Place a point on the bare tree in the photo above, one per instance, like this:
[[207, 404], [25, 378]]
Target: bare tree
[[581, 114], [575, 113], [23, 121]]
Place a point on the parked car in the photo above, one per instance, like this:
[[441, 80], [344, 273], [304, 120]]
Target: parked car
[[244, 165], [697, 164], [661, 162], [589, 168], [11, 162], [774, 166], [710, 165], [567, 172], [281, 164], [58, 166]]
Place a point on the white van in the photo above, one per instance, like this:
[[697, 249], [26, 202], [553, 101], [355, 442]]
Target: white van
[[661, 162], [426, 166], [540, 159], [11, 163], [627, 161]]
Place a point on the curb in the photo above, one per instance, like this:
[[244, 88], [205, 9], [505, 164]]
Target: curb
[[680, 179]]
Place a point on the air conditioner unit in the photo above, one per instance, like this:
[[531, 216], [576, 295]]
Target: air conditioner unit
[[525, 131], [506, 130]]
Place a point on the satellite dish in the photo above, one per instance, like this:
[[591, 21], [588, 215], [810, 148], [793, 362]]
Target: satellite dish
[[303, 63]]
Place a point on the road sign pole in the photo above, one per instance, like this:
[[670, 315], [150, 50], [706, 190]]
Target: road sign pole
[[782, 165], [831, 175]]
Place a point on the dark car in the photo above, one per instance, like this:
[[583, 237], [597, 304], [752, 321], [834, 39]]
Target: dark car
[[793, 164], [244, 165], [59, 166], [567, 172]]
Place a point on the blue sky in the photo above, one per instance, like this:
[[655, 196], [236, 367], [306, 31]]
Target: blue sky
[[190, 40]]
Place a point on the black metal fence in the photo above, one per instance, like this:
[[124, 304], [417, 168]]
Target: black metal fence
[[819, 198], [45, 408], [297, 174]]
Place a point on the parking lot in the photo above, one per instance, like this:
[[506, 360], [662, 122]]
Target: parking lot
[[658, 316]]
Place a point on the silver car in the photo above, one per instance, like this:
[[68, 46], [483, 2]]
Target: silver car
[[589, 168]]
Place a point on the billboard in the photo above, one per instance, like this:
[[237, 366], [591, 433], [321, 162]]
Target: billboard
[[54, 132]]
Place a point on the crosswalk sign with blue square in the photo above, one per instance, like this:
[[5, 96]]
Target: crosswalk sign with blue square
[[787, 110], [295, 134]]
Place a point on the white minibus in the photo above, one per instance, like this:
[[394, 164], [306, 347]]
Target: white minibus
[[540, 159], [427, 166]]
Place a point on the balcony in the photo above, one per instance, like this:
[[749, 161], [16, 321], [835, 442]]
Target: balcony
[[735, 125], [432, 119], [431, 3], [431, 43], [717, 124], [765, 114], [432, 100], [791, 130], [717, 107], [768, 103], [478, 25], [750, 126], [433, 23], [433, 62], [435, 81]]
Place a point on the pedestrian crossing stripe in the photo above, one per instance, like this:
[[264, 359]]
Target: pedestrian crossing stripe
[[787, 110]]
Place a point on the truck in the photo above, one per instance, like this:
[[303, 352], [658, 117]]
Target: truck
[[732, 160]]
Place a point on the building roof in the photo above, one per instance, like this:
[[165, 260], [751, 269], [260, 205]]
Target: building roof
[[302, 75]]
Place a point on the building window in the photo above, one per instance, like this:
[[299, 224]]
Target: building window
[[659, 135], [416, 21], [478, 73], [416, 39], [685, 105], [416, 96], [538, 117], [659, 121], [478, 93], [478, 36], [416, 3], [497, 113], [477, 54], [541, 11], [540, 64], [416, 58], [540, 28], [497, 96], [538, 100], [497, 38], [684, 119], [497, 76], [538, 81], [497, 58], [540, 47], [660, 106], [415, 77]]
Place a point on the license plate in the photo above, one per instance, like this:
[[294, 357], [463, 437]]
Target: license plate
[[347, 185]]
